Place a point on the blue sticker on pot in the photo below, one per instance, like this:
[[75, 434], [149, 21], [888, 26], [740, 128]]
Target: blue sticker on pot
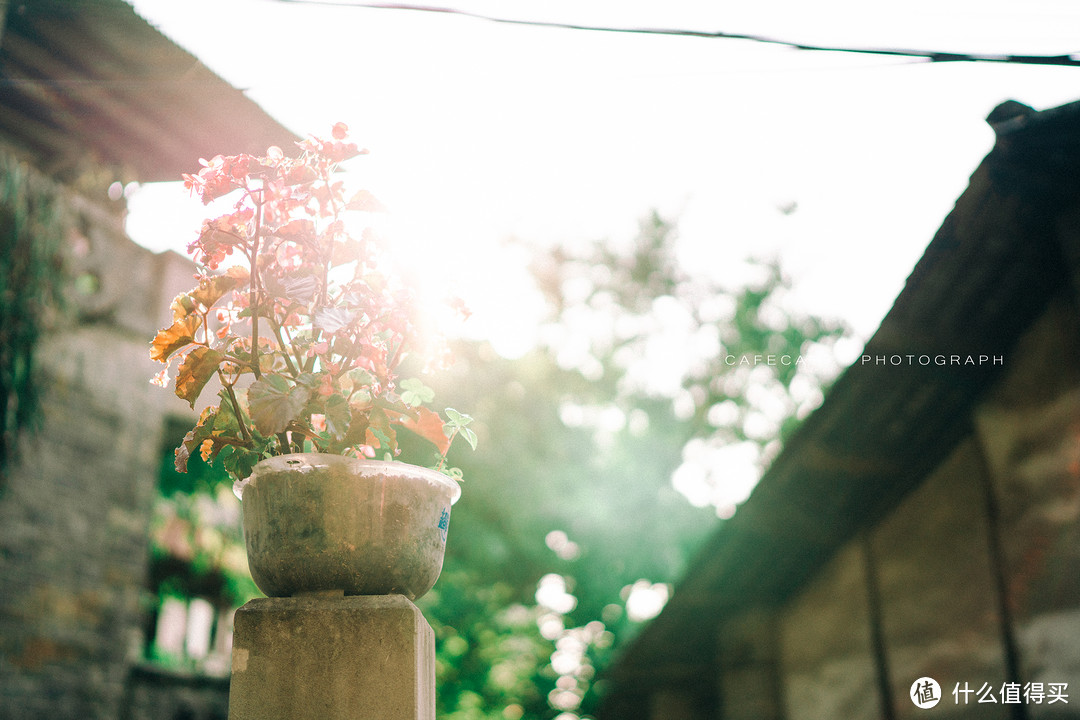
[[444, 523]]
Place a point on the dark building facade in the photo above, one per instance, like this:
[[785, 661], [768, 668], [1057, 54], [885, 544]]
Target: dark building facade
[[92, 97], [924, 522]]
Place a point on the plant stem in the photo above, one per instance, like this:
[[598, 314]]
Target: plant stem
[[327, 250], [442, 456], [236, 408], [256, 285], [285, 354]]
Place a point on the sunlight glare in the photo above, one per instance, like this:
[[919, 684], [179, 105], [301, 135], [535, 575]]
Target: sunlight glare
[[721, 475], [560, 544], [645, 600], [551, 592]]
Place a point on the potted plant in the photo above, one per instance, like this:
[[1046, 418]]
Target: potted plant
[[304, 338]]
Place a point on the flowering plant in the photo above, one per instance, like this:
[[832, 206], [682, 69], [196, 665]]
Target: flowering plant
[[307, 332]]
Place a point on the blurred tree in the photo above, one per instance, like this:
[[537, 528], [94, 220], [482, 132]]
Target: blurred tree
[[604, 460], [646, 377]]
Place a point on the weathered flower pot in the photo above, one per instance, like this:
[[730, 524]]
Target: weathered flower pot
[[319, 523]]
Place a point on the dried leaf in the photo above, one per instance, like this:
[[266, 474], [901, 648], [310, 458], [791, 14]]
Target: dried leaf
[[429, 426], [178, 335], [212, 289], [195, 438], [182, 306], [196, 370]]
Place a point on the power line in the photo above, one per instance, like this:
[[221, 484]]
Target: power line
[[1072, 60]]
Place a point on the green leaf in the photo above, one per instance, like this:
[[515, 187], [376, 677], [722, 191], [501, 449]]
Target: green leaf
[[415, 393], [457, 419], [379, 428], [470, 436], [360, 378], [238, 461], [226, 423], [338, 415], [358, 425], [274, 403]]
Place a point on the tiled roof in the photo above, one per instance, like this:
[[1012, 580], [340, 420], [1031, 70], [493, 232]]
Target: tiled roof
[[991, 269], [91, 81]]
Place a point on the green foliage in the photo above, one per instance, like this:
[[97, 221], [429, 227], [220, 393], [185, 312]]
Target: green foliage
[[490, 655], [574, 474], [201, 476], [196, 543], [535, 475], [33, 226], [196, 540]]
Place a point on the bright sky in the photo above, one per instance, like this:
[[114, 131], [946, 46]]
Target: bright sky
[[482, 131]]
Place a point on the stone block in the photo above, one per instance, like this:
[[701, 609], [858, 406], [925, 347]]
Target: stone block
[[332, 658]]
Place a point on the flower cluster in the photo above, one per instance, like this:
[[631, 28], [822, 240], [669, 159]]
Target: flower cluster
[[306, 331]]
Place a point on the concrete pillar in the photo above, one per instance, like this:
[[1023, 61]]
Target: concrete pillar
[[332, 658]]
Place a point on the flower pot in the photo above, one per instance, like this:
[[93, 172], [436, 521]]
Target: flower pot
[[319, 523]]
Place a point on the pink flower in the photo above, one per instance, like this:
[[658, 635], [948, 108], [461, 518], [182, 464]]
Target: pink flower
[[162, 378]]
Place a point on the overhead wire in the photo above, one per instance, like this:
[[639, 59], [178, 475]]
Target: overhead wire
[[938, 56]]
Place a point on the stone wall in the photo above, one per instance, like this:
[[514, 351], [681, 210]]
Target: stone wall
[[1030, 431], [939, 600], [977, 572], [827, 660], [155, 694], [74, 512], [749, 665]]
